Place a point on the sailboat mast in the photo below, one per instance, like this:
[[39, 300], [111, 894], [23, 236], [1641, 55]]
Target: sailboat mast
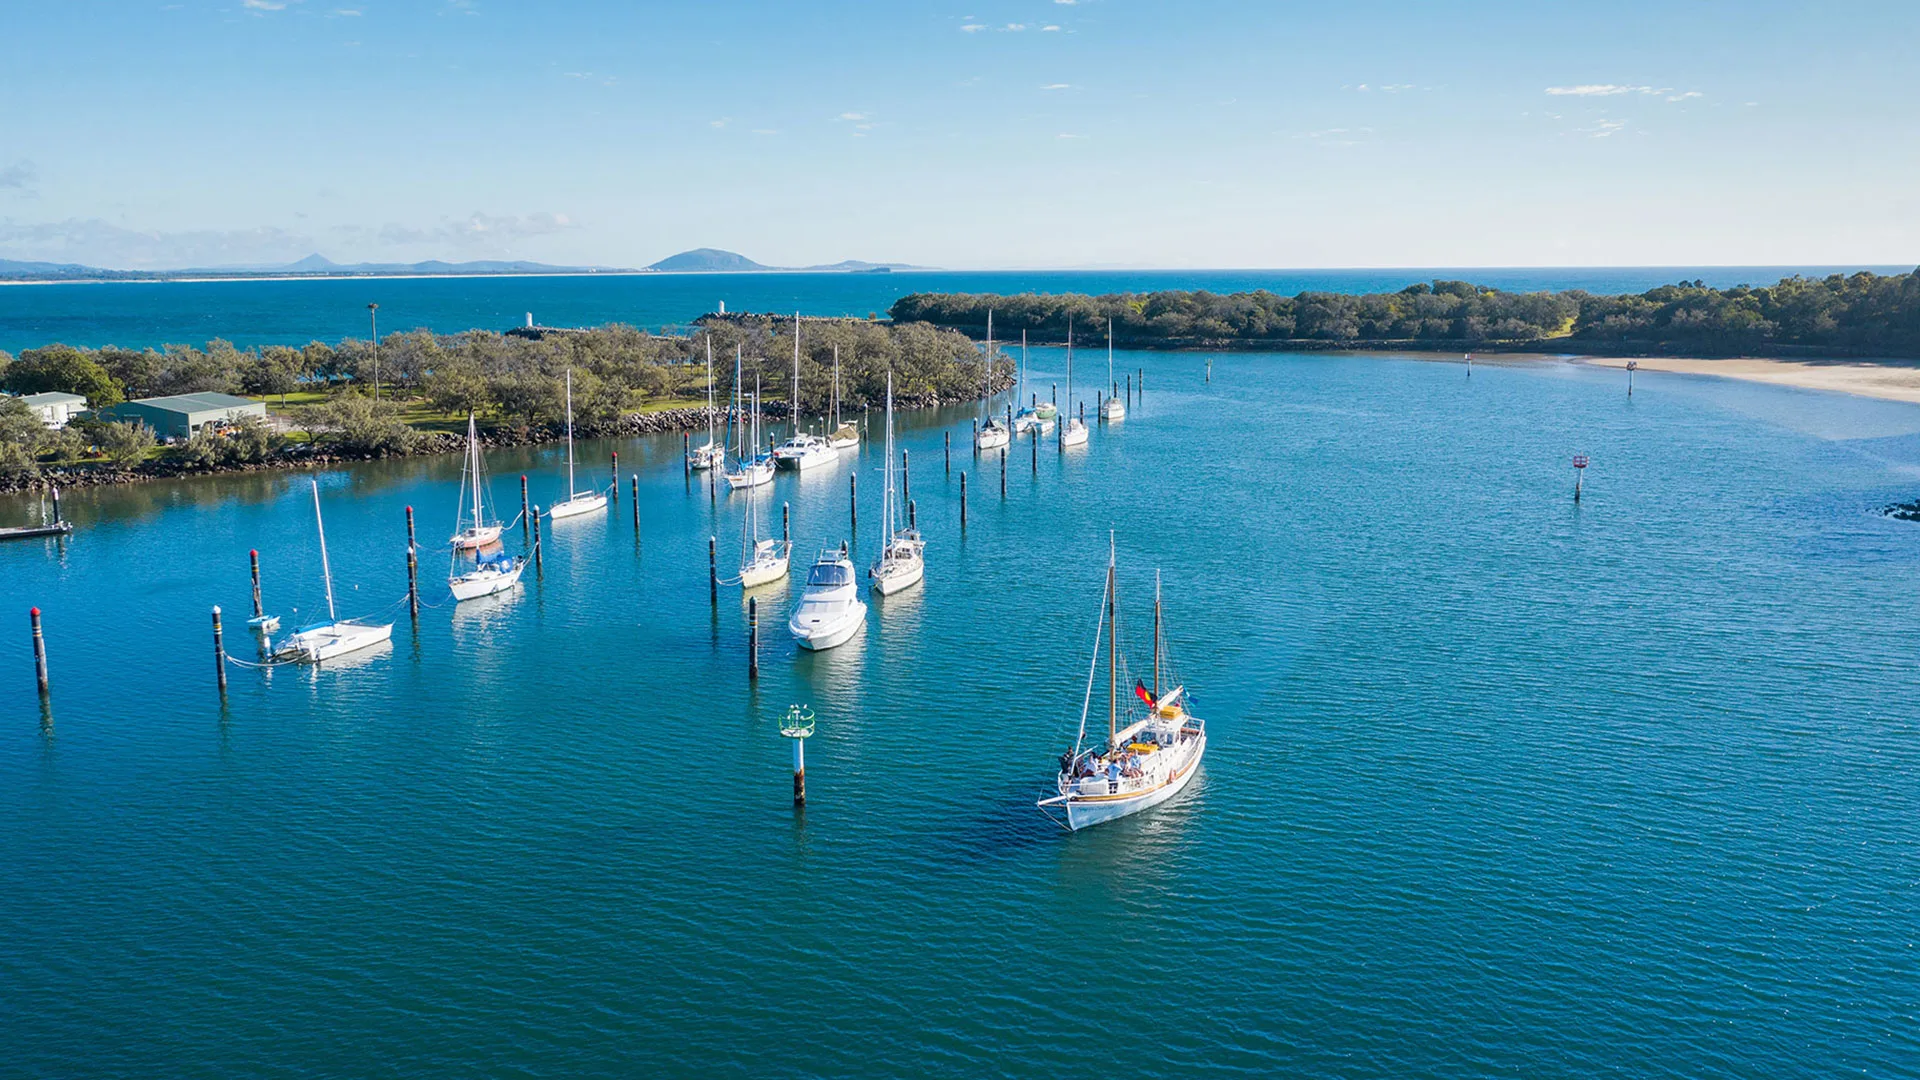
[[326, 569], [570, 487], [1069, 364], [709, 396], [739, 405], [473, 453], [796, 374], [987, 405], [836, 385], [886, 509], [1113, 653], [1109, 355], [1023, 363], [1156, 635]]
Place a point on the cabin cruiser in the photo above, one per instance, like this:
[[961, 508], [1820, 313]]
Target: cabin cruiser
[[830, 610]]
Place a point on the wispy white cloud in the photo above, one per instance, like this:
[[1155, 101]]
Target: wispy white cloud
[[1066, 135], [1057, 86], [1013, 27], [264, 5], [1605, 129], [478, 230], [971, 28], [720, 123], [102, 243], [1617, 89], [347, 13], [766, 131], [1049, 29], [853, 116]]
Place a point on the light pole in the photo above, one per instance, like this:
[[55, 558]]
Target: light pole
[[373, 328]]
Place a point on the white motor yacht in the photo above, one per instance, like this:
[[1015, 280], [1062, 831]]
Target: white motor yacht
[[831, 610]]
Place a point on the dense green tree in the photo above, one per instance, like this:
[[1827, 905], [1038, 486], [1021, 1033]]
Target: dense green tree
[[62, 369], [126, 444]]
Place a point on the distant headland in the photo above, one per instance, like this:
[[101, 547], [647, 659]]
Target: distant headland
[[698, 260]]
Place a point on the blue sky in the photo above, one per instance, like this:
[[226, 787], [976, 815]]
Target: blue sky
[[1009, 133]]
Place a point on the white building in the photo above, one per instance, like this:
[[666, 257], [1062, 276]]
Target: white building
[[56, 408]]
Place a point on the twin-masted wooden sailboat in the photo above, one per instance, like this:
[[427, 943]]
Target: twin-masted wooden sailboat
[[335, 637], [1144, 761], [577, 502], [902, 561]]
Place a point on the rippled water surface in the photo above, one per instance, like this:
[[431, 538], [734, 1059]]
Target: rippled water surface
[[1499, 785]]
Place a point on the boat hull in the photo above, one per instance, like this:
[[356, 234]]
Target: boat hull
[[762, 573], [479, 583], [820, 636], [992, 438], [574, 507], [326, 642], [706, 457], [750, 477], [1083, 811], [474, 539], [1112, 410], [821, 455], [1073, 436], [897, 577]]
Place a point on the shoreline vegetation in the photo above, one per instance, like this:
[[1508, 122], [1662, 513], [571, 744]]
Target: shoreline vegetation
[[1862, 315], [322, 404]]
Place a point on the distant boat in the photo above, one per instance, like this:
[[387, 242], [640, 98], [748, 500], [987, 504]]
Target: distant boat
[[708, 455], [761, 561], [831, 610], [845, 436], [1073, 430], [1144, 763], [801, 450], [1038, 414], [992, 432], [336, 636], [753, 467], [902, 561], [577, 502], [1112, 408], [479, 532]]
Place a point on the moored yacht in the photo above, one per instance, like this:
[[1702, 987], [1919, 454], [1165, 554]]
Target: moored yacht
[[992, 433], [831, 610], [577, 502], [1034, 414], [710, 454], [1112, 408], [1144, 761], [902, 560], [802, 450], [762, 561], [752, 467], [845, 435], [336, 636], [1073, 430]]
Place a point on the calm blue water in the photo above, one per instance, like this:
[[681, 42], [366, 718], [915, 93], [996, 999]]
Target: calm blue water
[[1499, 785], [142, 314]]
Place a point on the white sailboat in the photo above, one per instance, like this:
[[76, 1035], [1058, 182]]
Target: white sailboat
[[479, 532], [577, 502], [831, 610], [761, 561], [708, 455], [752, 468], [992, 432], [1112, 408], [1144, 762], [1073, 430], [902, 560], [336, 636], [845, 436], [1036, 414], [802, 450]]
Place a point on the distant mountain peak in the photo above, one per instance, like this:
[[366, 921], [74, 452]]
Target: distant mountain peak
[[709, 260], [315, 261]]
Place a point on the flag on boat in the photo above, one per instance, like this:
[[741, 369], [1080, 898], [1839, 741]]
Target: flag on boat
[[1140, 689]]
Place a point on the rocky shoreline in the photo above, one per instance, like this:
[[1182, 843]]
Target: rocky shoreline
[[320, 455]]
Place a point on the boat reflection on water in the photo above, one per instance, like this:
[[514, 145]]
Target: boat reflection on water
[[487, 612]]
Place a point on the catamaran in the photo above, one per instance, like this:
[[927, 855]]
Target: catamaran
[[992, 432], [1112, 408], [802, 450], [1036, 414], [902, 560], [761, 561], [831, 610], [1073, 430], [1145, 761], [708, 455], [752, 466], [479, 532], [577, 502], [336, 636], [845, 436]]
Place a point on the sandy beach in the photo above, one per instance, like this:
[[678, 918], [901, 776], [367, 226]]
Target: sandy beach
[[1891, 380]]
